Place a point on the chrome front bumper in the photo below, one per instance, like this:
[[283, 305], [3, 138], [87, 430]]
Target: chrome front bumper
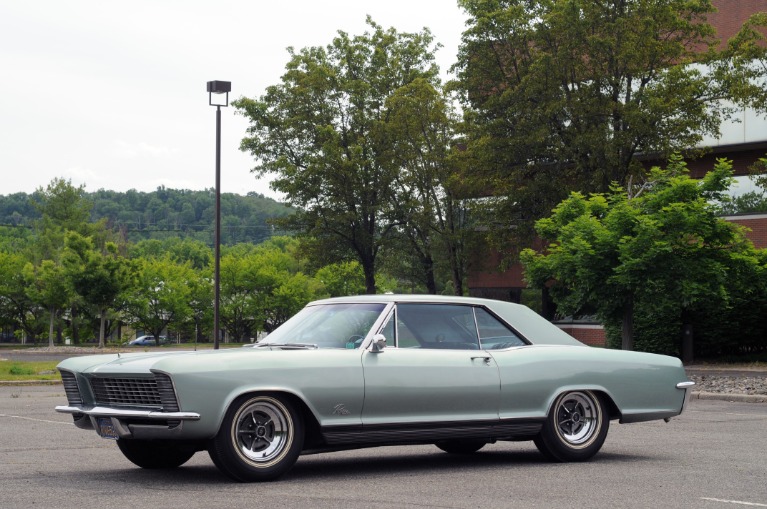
[[99, 411], [131, 423]]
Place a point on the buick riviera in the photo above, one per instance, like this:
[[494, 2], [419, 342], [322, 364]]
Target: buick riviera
[[353, 372]]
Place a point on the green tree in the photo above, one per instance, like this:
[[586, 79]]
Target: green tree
[[160, 295], [241, 285], [322, 133], [49, 287], [611, 254], [341, 279], [98, 277], [288, 297], [16, 306], [432, 216], [180, 250], [62, 207], [566, 94], [263, 286]]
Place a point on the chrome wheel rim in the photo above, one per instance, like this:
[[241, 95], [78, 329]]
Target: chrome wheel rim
[[262, 431], [578, 418]]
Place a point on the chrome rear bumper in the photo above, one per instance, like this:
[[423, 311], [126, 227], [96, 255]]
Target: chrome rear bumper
[[687, 387]]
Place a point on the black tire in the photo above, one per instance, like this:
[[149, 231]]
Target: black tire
[[155, 454], [260, 439], [575, 428], [461, 446]]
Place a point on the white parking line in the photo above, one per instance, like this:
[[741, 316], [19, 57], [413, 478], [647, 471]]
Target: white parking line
[[38, 420], [738, 502]]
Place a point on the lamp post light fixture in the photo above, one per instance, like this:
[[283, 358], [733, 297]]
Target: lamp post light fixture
[[218, 88]]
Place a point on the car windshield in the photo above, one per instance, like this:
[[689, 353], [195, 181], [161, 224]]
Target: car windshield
[[327, 326]]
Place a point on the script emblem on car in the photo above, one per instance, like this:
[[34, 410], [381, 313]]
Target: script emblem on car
[[340, 409]]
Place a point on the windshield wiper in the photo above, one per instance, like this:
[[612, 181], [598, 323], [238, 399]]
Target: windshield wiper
[[288, 346]]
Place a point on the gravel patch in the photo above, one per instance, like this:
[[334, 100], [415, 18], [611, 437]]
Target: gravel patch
[[724, 384]]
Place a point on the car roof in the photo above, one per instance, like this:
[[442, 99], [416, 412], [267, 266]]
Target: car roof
[[527, 322]]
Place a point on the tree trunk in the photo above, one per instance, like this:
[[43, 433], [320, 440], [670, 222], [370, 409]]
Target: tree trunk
[[428, 269], [627, 326], [687, 343], [548, 307], [368, 267], [101, 327], [50, 329], [456, 272]]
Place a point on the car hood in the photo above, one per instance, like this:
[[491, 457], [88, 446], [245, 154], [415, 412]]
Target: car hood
[[135, 363]]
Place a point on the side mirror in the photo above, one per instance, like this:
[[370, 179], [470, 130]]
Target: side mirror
[[379, 343]]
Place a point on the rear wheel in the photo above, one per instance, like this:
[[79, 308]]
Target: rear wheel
[[155, 454], [575, 428], [460, 446], [260, 439]]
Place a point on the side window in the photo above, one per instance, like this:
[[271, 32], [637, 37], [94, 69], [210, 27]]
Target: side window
[[405, 337], [493, 334], [388, 331], [436, 326]]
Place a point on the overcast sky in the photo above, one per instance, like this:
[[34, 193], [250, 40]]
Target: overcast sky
[[112, 94]]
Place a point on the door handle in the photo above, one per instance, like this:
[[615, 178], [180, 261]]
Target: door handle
[[485, 358]]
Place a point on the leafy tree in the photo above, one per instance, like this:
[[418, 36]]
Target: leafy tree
[[15, 240], [99, 278], [62, 207], [321, 132], [49, 288], [264, 287], [566, 94], [432, 216], [179, 249], [742, 65], [752, 201], [200, 322], [160, 295], [16, 306], [241, 285], [341, 279], [615, 253], [288, 297], [135, 216]]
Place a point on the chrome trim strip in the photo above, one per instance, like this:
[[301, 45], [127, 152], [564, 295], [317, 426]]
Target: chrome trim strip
[[687, 388], [100, 411]]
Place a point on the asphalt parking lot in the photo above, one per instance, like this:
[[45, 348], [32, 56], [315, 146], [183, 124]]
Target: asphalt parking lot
[[713, 456]]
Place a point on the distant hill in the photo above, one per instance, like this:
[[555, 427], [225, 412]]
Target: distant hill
[[166, 212]]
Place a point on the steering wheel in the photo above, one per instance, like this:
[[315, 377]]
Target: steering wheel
[[355, 339]]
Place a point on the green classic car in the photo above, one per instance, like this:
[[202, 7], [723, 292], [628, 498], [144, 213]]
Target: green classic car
[[367, 371]]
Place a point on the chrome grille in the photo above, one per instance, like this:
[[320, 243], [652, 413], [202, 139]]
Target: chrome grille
[[70, 388], [167, 393], [141, 392]]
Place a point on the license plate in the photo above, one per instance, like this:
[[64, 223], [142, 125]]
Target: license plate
[[106, 428]]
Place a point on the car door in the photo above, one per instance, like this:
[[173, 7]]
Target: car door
[[432, 371]]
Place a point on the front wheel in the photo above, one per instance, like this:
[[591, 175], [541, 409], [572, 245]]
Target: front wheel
[[575, 428], [260, 439], [154, 454]]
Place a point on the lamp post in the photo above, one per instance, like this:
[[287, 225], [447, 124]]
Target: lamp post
[[218, 88]]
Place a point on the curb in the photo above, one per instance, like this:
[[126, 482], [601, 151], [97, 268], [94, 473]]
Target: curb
[[23, 383], [723, 396]]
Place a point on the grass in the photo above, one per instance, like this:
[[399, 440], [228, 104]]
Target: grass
[[14, 371]]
